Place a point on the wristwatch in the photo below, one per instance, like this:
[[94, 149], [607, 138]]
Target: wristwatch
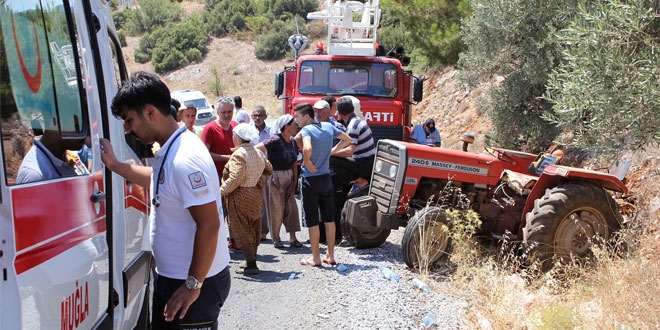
[[192, 283]]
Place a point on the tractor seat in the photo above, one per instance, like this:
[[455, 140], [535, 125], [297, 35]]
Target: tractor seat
[[521, 183]]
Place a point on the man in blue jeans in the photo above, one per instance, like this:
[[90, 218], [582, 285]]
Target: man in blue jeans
[[186, 217], [316, 186]]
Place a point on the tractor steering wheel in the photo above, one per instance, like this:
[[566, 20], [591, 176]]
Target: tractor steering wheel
[[501, 155]]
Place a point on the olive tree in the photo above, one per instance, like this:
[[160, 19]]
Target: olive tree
[[606, 93], [514, 40]]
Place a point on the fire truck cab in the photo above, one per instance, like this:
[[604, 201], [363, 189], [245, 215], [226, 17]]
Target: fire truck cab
[[74, 247], [356, 65]]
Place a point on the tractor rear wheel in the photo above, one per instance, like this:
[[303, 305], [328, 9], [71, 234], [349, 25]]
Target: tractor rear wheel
[[362, 238], [567, 220], [426, 239]]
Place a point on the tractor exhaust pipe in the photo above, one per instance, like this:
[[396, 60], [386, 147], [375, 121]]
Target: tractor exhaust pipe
[[467, 139]]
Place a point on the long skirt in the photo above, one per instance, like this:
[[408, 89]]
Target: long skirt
[[244, 215], [281, 207]]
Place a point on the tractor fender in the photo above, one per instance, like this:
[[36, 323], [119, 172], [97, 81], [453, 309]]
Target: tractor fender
[[553, 175]]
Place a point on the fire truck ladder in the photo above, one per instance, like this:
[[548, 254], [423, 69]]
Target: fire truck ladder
[[351, 26]]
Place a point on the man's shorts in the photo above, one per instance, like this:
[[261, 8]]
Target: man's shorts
[[317, 196]]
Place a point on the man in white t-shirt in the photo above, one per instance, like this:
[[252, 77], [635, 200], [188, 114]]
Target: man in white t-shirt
[[242, 115], [185, 220]]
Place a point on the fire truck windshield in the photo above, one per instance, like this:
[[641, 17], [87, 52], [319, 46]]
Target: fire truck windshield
[[348, 77]]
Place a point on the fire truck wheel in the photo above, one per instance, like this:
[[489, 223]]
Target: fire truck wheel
[[361, 238], [426, 238], [567, 220]]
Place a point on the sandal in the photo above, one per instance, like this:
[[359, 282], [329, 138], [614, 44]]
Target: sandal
[[278, 245], [295, 244]]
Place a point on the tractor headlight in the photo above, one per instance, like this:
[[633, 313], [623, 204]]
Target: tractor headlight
[[378, 166], [392, 172]]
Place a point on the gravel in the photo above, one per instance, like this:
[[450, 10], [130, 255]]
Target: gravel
[[352, 295]]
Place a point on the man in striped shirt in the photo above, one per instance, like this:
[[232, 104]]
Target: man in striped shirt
[[354, 163]]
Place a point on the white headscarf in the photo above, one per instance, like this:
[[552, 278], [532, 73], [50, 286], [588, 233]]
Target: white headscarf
[[356, 105], [247, 132], [280, 123]]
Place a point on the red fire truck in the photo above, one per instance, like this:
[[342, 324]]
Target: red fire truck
[[73, 236], [356, 65]]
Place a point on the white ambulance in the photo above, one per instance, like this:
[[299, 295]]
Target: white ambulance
[[73, 240], [205, 110]]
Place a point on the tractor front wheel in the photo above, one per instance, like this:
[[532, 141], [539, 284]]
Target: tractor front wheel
[[567, 220], [426, 239], [362, 238]]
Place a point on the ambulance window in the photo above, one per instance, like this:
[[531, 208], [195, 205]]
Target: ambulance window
[[43, 121]]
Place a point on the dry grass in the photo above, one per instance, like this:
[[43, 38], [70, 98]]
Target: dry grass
[[619, 290]]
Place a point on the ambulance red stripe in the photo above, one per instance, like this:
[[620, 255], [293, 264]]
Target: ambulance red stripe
[[50, 225]]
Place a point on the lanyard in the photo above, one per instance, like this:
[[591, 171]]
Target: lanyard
[[156, 200]]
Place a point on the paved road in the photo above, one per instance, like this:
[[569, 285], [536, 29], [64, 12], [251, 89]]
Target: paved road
[[287, 295]]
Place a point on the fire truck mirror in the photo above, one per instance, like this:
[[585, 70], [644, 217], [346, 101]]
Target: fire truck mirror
[[418, 89], [279, 83]]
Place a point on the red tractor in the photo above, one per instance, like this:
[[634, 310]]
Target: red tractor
[[557, 211]]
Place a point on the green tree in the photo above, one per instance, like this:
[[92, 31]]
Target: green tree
[[433, 26], [607, 92], [514, 40]]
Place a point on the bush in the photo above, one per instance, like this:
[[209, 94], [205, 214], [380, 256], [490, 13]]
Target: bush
[[176, 46], [193, 55], [141, 57], [132, 22], [165, 58], [147, 44], [153, 14], [286, 9], [228, 16], [120, 17], [122, 38], [274, 44], [258, 24]]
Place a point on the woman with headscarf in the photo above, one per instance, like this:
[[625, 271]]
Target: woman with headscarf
[[281, 203], [246, 171]]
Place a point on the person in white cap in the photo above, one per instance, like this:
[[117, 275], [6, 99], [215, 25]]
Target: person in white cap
[[280, 201], [247, 170]]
